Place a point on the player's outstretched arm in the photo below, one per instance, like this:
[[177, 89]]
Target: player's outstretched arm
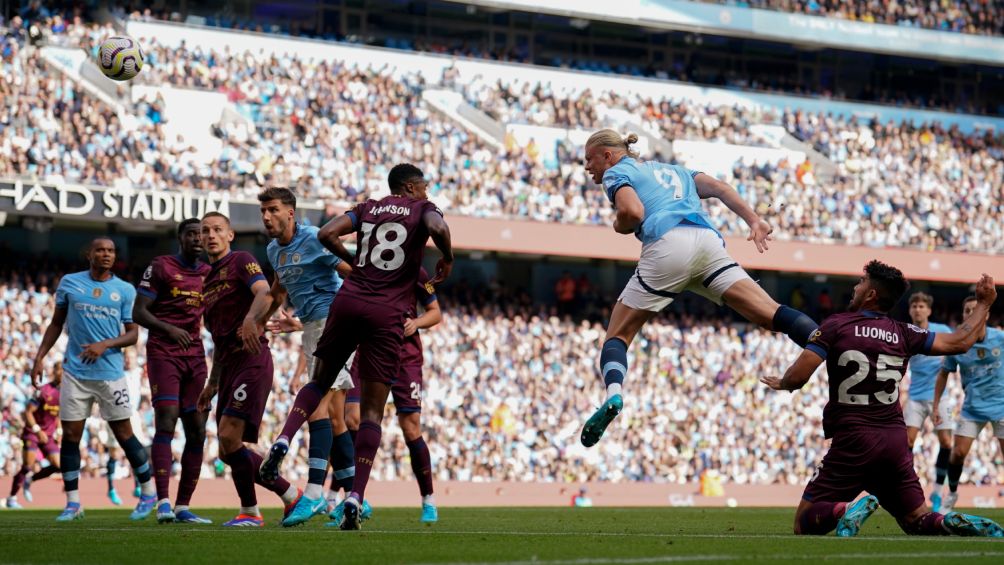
[[92, 351], [330, 236], [48, 340], [630, 210], [278, 294], [797, 374], [939, 389], [710, 187], [142, 315], [966, 334], [439, 231]]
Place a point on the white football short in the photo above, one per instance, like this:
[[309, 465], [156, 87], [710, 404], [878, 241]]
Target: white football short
[[686, 258], [917, 411], [76, 397], [972, 428], [311, 335]]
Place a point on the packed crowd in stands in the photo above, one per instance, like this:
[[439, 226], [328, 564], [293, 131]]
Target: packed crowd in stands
[[330, 130], [982, 17], [507, 383]]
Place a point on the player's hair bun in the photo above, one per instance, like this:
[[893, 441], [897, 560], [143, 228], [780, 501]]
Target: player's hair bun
[[630, 139]]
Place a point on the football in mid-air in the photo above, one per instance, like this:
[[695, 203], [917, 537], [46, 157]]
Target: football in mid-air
[[120, 57]]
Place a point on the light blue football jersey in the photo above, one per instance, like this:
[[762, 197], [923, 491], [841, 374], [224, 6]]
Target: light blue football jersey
[[982, 377], [924, 369], [307, 270], [668, 192], [95, 311]]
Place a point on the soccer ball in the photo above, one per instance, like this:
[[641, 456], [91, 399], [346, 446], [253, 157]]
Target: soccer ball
[[120, 58]]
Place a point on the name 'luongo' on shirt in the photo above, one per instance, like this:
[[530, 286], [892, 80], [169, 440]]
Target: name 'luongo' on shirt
[[876, 333]]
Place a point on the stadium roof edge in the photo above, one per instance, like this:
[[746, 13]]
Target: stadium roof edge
[[797, 29]]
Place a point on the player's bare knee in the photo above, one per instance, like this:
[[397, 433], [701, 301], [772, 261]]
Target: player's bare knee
[[194, 424], [166, 419], [411, 426], [121, 429]]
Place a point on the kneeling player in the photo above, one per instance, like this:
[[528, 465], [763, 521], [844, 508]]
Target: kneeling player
[[242, 364], [40, 422], [866, 354]]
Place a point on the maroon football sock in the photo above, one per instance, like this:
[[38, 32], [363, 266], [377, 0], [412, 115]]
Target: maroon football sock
[[280, 486], [191, 468], [45, 473], [243, 470], [927, 525], [160, 453], [367, 443], [421, 464], [821, 518], [15, 487], [306, 402]]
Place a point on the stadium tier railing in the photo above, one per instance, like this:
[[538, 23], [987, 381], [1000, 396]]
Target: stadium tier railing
[[131, 207]]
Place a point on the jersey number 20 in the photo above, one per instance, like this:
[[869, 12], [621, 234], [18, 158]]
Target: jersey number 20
[[383, 244]]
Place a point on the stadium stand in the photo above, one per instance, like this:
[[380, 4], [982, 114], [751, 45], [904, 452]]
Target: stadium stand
[[499, 373]]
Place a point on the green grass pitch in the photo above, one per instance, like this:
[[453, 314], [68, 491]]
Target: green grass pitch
[[534, 536]]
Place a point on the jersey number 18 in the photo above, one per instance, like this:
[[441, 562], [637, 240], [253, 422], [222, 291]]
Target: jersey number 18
[[383, 244]]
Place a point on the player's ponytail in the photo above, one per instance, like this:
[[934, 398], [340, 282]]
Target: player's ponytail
[[612, 139]]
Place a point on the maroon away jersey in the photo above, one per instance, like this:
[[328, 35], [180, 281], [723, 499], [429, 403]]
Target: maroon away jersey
[[228, 297], [411, 351], [391, 238], [176, 290], [866, 356], [47, 408]]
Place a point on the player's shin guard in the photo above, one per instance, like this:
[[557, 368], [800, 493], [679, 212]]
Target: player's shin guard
[[242, 471], [69, 461], [941, 466], [280, 486], [367, 443], [954, 474], [15, 487], [613, 364], [795, 324], [160, 453], [421, 464], [821, 518], [343, 466], [136, 454], [929, 524], [306, 402], [317, 450], [191, 468]]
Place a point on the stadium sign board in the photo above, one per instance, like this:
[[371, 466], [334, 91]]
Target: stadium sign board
[[121, 205]]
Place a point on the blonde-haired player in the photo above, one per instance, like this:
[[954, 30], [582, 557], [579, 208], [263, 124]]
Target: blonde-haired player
[[661, 205]]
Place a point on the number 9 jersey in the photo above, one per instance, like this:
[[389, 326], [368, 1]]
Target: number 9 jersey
[[866, 355], [390, 243], [668, 192]]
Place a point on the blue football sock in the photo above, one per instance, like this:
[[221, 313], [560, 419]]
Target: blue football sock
[[795, 324], [613, 364], [318, 449], [69, 462], [343, 466], [136, 454]]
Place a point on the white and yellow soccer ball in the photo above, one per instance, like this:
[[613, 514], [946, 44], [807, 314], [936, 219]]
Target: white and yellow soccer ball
[[120, 57]]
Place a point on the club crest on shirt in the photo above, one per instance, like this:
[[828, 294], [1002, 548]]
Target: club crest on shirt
[[296, 257], [996, 352], [115, 297], [178, 277], [223, 273], [96, 293]]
